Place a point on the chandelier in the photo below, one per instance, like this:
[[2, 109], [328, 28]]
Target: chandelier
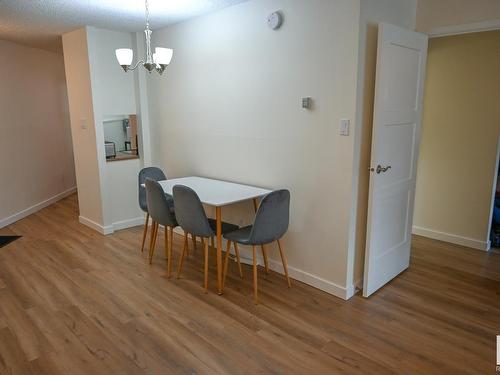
[[158, 60]]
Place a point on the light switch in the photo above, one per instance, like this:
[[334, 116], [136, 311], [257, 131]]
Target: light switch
[[344, 126], [83, 123]]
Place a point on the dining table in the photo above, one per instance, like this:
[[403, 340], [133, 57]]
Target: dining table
[[218, 194]]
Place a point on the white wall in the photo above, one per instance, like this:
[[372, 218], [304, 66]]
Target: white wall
[[114, 93], [114, 132], [230, 108], [36, 157], [397, 12], [98, 88]]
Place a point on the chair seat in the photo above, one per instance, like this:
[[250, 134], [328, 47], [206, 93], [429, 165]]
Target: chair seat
[[226, 227], [241, 236]]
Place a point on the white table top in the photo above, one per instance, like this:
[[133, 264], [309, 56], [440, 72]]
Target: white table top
[[215, 192]]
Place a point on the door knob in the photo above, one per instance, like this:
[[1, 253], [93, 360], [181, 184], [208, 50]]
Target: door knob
[[380, 169]]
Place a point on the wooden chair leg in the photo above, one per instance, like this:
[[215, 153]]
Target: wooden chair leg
[[206, 265], [255, 295], [166, 242], [145, 233], [187, 245], [237, 252], [285, 265], [226, 260], [264, 255], [184, 250], [154, 232], [170, 244], [153, 224]]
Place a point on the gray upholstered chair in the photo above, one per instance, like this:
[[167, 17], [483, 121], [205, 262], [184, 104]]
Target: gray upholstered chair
[[155, 174], [161, 210], [270, 224], [192, 219]]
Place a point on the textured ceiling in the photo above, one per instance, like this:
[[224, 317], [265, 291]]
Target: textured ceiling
[[40, 23]]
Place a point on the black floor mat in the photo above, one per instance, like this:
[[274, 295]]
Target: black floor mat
[[5, 240]]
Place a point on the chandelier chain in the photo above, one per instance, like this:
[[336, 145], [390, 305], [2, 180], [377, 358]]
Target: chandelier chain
[[147, 14]]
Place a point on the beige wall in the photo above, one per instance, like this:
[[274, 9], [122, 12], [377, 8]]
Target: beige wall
[[76, 63], [461, 126], [36, 158], [230, 108], [397, 12], [436, 14]]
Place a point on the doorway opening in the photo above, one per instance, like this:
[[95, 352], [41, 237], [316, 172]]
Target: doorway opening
[[494, 234]]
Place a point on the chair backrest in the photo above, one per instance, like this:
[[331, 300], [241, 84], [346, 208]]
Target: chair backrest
[[153, 173], [190, 213], [158, 205], [272, 218]]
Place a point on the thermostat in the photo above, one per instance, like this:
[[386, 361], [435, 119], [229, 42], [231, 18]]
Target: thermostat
[[275, 20]]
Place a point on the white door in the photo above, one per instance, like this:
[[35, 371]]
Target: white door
[[401, 62]]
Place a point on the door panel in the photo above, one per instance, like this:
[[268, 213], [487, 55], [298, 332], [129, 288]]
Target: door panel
[[400, 140], [401, 59]]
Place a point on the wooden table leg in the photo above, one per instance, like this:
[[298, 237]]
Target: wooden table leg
[[262, 247], [218, 218]]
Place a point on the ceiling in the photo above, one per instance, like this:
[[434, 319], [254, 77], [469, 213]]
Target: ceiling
[[40, 23]]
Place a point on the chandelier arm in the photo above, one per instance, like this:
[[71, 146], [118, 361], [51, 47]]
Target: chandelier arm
[[140, 62]]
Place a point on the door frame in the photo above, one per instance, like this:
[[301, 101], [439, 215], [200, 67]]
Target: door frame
[[467, 28]]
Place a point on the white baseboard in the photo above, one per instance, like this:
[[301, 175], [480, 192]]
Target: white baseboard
[[37, 207], [96, 226], [452, 238], [354, 288], [109, 229], [310, 279], [295, 273], [130, 223]]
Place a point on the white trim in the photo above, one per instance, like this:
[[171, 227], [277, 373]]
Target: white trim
[[354, 288], [468, 28], [295, 273], [310, 279], [129, 223], [110, 229], [300, 275], [105, 230], [452, 238], [37, 207]]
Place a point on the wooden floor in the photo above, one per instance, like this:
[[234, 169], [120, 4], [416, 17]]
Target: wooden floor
[[75, 302]]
